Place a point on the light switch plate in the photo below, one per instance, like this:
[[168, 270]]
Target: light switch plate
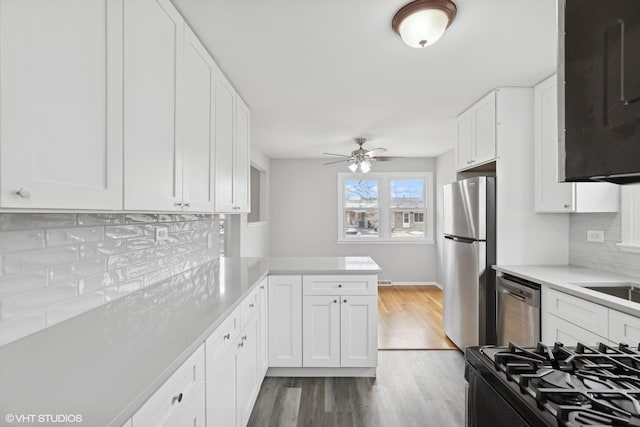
[[162, 233], [596, 236]]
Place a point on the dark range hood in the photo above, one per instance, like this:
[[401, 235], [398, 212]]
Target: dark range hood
[[599, 90]]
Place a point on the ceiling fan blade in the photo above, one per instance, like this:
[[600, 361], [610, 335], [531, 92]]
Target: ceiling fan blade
[[334, 154], [376, 151], [337, 161], [385, 158]]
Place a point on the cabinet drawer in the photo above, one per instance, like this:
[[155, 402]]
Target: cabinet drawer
[[224, 335], [624, 328], [176, 395], [556, 329], [585, 314], [248, 307], [337, 285]]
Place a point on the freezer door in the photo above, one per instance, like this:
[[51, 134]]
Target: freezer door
[[465, 208], [463, 292]]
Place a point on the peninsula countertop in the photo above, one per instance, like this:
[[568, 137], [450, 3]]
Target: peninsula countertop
[[573, 280], [105, 363]]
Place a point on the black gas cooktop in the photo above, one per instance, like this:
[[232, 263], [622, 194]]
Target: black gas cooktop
[[564, 386]]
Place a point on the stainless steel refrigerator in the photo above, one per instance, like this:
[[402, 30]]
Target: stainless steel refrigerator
[[469, 252]]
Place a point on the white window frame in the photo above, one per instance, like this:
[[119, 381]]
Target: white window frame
[[384, 199], [630, 217]]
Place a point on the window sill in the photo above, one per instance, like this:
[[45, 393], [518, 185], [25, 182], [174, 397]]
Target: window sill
[[628, 247], [385, 242]]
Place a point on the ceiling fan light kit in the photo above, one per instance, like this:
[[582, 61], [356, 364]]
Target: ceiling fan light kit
[[359, 158], [421, 23]]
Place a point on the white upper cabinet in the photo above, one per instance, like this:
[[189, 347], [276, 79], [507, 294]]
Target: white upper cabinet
[[477, 134], [224, 111], [551, 195], [153, 45], [242, 144], [61, 104], [232, 140], [196, 119]]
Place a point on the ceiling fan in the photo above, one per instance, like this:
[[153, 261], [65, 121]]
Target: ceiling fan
[[360, 158]]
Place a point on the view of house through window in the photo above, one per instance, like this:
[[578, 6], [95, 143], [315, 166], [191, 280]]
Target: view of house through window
[[385, 206]]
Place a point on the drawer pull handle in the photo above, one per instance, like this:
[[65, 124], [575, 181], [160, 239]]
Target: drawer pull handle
[[244, 338], [251, 305], [241, 345], [176, 398], [227, 336]]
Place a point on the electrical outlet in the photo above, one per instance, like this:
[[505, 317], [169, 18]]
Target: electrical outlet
[[162, 233], [595, 236]]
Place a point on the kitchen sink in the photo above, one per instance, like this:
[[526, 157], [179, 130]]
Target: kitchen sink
[[625, 290]]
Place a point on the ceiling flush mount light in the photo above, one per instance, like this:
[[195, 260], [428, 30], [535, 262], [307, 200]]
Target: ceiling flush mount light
[[422, 22]]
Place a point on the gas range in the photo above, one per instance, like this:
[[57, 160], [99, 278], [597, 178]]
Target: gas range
[[553, 385]]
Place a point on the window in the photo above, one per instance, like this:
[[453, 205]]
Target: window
[[385, 207]]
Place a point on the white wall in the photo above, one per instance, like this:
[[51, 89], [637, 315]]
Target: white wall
[[445, 174], [304, 218], [523, 237]]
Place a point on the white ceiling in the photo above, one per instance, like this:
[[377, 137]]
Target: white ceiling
[[318, 73]]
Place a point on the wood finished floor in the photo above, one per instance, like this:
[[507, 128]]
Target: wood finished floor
[[410, 318], [413, 388]]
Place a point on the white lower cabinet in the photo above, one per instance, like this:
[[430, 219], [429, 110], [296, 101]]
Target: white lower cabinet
[[570, 319], [555, 329], [234, 375], [623, 328], [263, 332], [285, 321], [180, 401], [340, 330]]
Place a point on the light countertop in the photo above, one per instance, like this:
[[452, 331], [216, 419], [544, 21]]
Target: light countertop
[[572, 280], [105, 363]]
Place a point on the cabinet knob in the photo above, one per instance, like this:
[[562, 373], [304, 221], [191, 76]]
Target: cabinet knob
[[187, 204], [244, 337], [335, 301], [262, 287], [178, 203], [227, 336], [567, 206], [344, 300], [23, 193], [177, 398], [251, 305], [241, 345], [340, 285]]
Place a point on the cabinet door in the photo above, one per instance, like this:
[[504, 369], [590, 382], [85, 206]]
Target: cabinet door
[[263, 339], [196, 124], [247, 372], [550, 195], [484, 129], [61, 104], [221, 390], [153, 45], [586, 314], [359, 331], [623, 328], [463, 151], [321, 331], [241, 150], [555, 329], [285, 321], [224, 112], [180, 398]]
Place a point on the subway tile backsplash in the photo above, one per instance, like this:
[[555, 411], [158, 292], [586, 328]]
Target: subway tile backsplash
[[602, 256], [54, 266]]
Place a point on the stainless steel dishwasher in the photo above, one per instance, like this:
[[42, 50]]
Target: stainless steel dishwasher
[[518, 311]]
